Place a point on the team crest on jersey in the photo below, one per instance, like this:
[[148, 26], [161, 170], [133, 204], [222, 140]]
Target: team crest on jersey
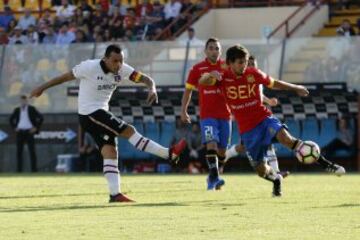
[[250, 78], [223, 66], [117, 78]]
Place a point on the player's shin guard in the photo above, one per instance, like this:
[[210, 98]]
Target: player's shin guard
[[146, 145], [212, 160], [112, 175], [272, 159]]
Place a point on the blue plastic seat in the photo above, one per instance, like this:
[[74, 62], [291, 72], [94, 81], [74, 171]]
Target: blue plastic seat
[[327, 131]]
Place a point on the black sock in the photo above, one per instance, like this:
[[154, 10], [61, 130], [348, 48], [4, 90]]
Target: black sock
[[324, 162], [212, 160]]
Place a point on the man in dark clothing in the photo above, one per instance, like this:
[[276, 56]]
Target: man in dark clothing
[[26, 121]]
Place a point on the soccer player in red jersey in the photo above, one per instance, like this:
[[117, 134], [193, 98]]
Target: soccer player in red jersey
[[215, 120], [271, 157], [257, 126]]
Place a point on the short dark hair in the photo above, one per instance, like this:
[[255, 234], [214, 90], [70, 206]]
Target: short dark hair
[[210, 40], [236, 52], [112, 48]]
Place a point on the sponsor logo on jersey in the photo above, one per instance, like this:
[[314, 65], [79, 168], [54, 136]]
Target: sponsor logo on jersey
[[100, 78], [117, 78], [106, 87], [203, 68]]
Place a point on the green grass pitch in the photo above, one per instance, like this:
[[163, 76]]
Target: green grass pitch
[[68, 207]]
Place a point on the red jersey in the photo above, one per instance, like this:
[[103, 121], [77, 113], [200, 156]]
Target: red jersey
[[243, 95], [211, 99]]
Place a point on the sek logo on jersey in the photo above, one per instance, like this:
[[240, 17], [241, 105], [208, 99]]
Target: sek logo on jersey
[[241, 91]]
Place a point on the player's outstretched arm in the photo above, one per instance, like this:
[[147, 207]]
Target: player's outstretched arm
[[150, 84], [299, 89], [36, 92]]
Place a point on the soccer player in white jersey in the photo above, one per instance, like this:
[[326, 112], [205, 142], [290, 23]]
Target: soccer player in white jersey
[[98, 80]]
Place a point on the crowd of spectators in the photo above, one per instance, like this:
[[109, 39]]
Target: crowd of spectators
[[101, 21]]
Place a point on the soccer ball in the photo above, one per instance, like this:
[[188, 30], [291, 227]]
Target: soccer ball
[[307, 152]]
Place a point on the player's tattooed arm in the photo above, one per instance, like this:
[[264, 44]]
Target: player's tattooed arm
[[299, 89], [210, 78], [150, 84], [36, 92]]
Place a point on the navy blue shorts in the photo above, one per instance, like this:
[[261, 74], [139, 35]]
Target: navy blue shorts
[[260, 138], [216, 130]]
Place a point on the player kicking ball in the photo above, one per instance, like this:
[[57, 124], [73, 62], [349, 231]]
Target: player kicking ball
[[257, 126], [98, 80]]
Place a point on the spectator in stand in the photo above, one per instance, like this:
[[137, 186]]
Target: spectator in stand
[[107, 37], [129, 36], [144, 9], [50, 37], [130, 20], [46, 17], [116, 26], [344, 139], [155, 20], [346, 28], [84, 6], [26, 20], [65, 36], [18, 37], [32, 35], [105, 6], [11, 27], [55, 3], [80, 37], [117, 7], [6, 17], [172, 11], [97, 17], [65, 11], [185, 14], [358, 25], [4, 39]]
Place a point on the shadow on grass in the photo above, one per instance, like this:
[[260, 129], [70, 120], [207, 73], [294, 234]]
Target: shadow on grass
[[344, 205], [86, 207], [50, 195]]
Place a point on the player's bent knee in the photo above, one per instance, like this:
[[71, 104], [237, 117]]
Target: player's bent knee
[[261, 169], [109, 152], [128, 131]]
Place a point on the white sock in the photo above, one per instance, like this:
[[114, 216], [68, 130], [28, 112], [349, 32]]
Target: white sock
[[231, 152], [112, 175], [272, 159], [146, 145]]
